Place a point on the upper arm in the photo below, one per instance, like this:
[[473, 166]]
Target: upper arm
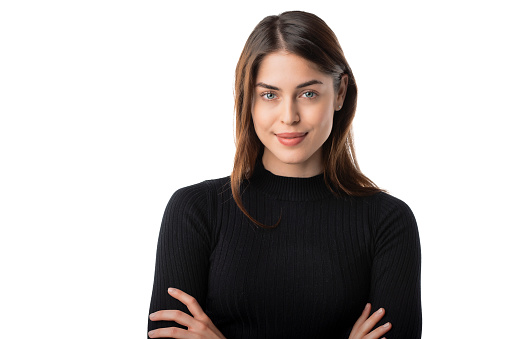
[[396, 268], [183, 250]]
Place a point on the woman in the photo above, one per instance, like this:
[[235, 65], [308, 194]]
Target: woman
[[297, 241]]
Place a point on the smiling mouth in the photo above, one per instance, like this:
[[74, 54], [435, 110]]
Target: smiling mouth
[[291, 135], [290, 139]]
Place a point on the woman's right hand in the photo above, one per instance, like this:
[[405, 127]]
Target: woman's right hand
[[364, 324]]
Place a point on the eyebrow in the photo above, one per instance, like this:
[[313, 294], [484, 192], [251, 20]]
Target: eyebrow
[[305, 84]]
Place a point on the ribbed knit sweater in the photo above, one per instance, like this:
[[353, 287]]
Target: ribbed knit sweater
[[310, 277]]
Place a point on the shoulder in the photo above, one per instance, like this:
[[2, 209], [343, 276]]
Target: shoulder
[[387, 204], [192, 209], [380, 204], [197, 197], [203, 188], [196, 192], [391, 214]]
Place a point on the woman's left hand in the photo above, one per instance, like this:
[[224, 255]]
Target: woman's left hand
[[199, 326]]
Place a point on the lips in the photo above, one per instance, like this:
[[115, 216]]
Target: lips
[[290, 139], [290, 135]]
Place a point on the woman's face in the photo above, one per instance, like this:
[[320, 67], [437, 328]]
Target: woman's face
[[292, 111]]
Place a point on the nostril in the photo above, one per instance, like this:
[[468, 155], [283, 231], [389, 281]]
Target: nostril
[[291, 120]]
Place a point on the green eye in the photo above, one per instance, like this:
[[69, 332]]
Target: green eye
[[270, 96], [309, 94]]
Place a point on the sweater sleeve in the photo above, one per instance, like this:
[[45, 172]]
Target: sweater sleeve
[[395, 279], [183, 250]]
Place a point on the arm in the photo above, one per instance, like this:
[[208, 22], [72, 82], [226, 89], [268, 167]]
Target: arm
[[183, 249], [395, 280], [198, 326]]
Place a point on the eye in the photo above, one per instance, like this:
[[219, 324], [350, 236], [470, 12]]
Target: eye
[[310, 94], [268, 95]]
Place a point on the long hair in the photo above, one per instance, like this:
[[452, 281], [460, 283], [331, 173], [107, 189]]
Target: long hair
[[306, 35]]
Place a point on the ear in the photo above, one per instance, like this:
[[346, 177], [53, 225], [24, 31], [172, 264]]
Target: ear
[[341, 95]]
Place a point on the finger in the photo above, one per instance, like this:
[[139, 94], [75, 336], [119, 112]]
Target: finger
[[363, 317], [189, 301], [169, 332], [173, 315], [369, 324], [378, 332]]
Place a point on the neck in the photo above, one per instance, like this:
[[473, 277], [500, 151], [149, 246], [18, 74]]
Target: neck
[[311, 167], [289, 188]]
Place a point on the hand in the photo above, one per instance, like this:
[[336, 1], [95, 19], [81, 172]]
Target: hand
[[363, 325], [199, 326]]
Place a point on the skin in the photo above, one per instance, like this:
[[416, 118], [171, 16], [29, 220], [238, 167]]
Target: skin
[[291, 108], [288, 108], [200, 326], [364, 325]]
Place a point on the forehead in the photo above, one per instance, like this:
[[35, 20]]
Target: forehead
[[281, 68]]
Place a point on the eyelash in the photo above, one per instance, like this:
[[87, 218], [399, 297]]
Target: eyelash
[[313, 97]]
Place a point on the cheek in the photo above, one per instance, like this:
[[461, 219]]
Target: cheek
[[322, 117], [258, 124], [328, 121], [260, 118]]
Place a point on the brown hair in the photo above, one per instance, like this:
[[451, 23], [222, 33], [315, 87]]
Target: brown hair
[[306, 35]]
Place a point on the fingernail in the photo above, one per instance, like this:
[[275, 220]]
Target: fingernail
[[151, 315], [171, 290], [150, 333], [367, 306], [380, 310], [386, 325]]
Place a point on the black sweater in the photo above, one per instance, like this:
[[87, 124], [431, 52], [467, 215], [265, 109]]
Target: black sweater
[[308, 278]]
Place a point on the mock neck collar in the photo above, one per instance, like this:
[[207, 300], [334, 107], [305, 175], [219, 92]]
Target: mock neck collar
[[289, 188]]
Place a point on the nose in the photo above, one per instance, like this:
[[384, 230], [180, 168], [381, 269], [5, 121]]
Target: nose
[[289, 114]]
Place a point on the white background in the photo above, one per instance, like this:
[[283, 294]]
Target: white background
[[107, 107]]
